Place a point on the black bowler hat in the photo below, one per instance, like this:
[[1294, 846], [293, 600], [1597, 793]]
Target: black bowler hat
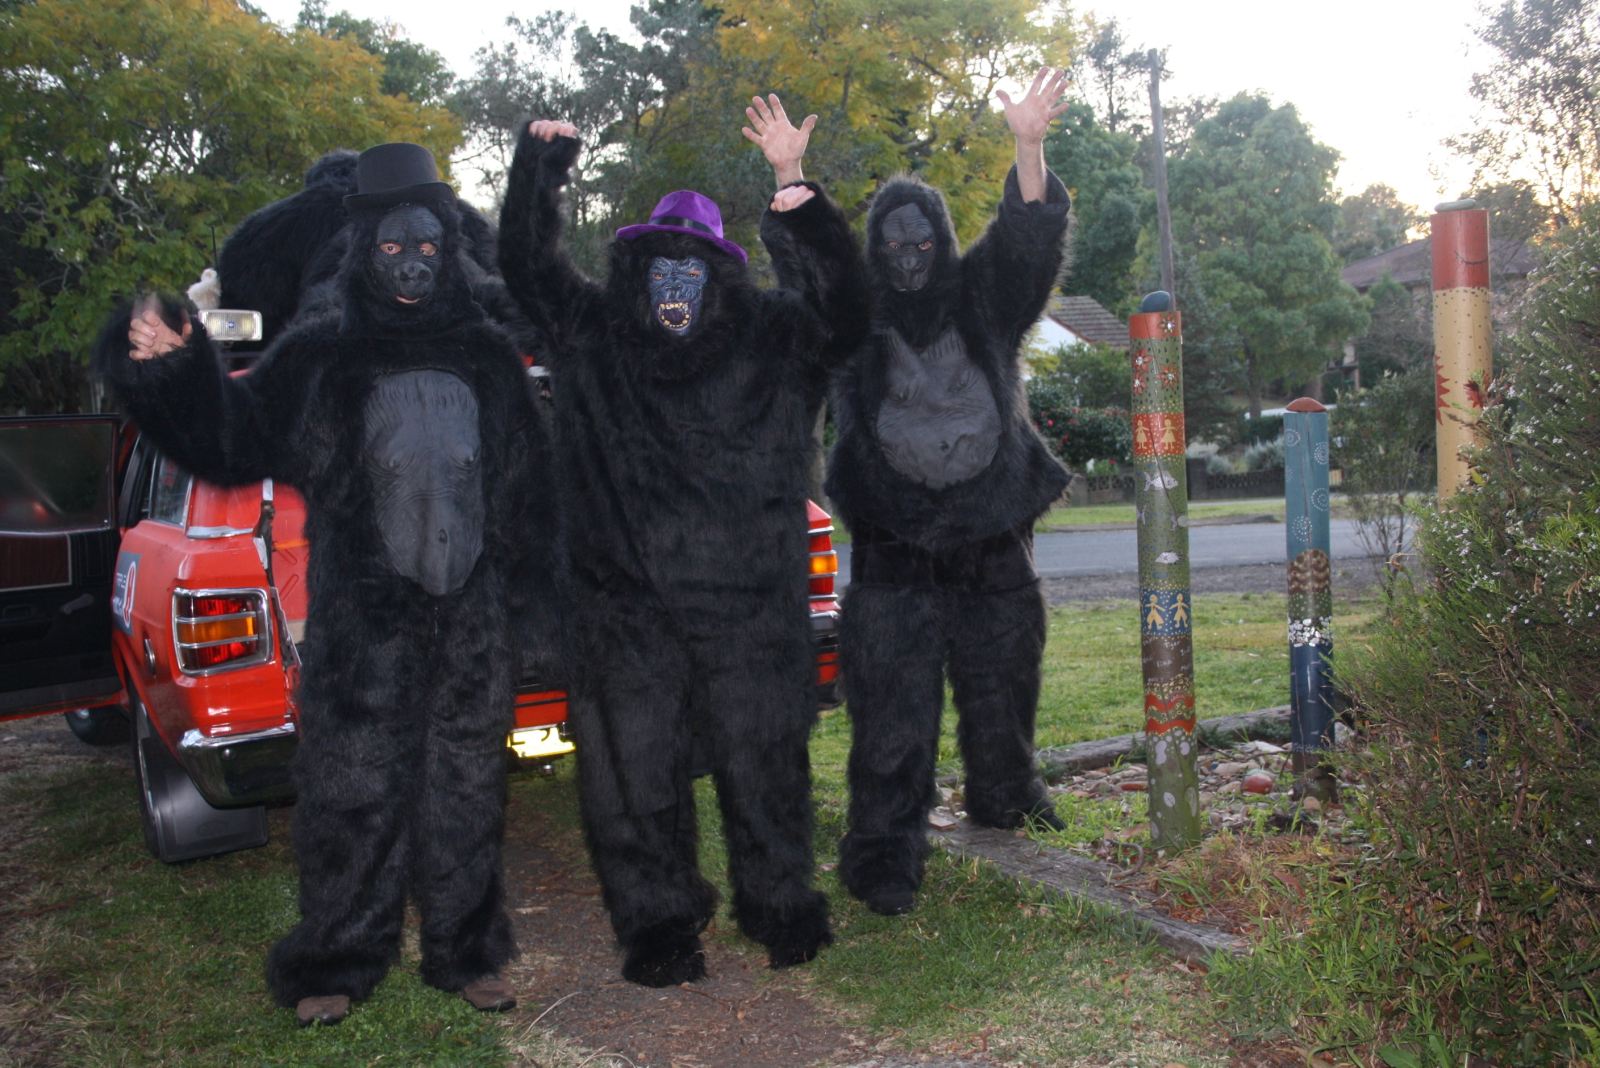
[[397, 173]]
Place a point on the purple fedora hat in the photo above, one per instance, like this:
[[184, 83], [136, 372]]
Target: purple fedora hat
[[686, 212]]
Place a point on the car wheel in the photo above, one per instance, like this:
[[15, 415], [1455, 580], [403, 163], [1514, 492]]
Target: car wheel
[[179, 823], [98, 726]]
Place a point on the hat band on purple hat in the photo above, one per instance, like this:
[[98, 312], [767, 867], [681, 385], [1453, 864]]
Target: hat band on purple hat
[[686, 222]]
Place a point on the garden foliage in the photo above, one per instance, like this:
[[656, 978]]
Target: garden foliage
[[1075, 434], [1482, 696]]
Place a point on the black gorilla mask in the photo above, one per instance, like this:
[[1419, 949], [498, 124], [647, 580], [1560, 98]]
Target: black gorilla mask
[[676, 288], [406, 252], [907, 248]]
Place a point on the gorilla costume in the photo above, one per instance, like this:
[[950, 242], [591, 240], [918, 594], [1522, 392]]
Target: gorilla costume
[[405, 421], [939, 475], [682, 395], [264, 264]]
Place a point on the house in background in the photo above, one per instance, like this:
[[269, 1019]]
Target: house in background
[[1078, 321]]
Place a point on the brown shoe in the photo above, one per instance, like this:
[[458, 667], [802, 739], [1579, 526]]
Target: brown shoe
[[324, 1009], [489, 994]]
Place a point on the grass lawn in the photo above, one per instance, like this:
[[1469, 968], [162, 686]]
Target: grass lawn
[[1103, 515], [124, 960]]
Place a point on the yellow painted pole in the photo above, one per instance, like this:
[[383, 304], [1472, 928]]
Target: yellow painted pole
[[1462, 361]]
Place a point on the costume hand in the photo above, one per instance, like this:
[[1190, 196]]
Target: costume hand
[[791, 197], [1030, 117], [148, 334], [779, 140]]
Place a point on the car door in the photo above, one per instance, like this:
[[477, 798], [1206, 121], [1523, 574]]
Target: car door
[[58, 548]]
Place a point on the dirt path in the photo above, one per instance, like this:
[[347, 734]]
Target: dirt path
[[742, 1014]]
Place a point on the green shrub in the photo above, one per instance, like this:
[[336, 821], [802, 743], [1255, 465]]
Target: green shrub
[[1482, 694], [1264, 455], [1075, 434]]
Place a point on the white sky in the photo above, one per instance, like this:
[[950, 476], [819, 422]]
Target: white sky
[[1381, 81]]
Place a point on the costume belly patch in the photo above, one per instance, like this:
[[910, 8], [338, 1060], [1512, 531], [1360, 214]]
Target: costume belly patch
[[938, 423], [422, 449]]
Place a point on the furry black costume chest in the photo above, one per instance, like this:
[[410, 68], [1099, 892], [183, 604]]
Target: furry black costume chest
[[943, 472]]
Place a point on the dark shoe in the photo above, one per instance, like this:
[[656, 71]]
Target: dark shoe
[[322, 1009], [489, 994], [890, 899], [664, 956], [793, 933], [883, 872], [1043, 817]]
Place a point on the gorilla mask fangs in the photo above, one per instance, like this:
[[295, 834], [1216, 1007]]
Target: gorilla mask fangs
[[676, 287]]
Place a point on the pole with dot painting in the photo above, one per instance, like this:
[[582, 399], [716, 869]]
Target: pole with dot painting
[[1461, 333], [1305, 495], [1161, 498]]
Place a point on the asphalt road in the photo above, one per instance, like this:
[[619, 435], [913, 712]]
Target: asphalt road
[[1087, 552]]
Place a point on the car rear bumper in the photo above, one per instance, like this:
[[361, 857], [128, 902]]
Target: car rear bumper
[[231, 770]]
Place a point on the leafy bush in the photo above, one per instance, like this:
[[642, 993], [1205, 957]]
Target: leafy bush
[[1075, 434], [1384, 444], [1265, 456], [1483, 697]]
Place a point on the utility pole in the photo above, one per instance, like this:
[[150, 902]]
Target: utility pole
[[1462, 334], [1159, 170]]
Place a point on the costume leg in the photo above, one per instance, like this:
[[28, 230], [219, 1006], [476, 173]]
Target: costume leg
[[891, 660], [996, 630], [756, 694], [628, 712], [359, 750], [460, 821]]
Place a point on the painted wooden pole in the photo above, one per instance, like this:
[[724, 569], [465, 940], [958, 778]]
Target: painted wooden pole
[[1462, 361], [1165, 607], [1305, 485]]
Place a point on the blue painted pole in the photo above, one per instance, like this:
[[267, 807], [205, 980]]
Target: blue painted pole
[[1305, 483]]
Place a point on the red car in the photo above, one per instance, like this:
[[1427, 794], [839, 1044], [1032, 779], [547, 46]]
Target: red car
[[134, 597]]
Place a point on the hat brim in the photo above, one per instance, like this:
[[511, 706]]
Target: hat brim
[[425, 193], [628, 233]]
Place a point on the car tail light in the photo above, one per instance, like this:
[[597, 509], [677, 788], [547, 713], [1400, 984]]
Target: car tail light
[[216, 630], [824, 563]]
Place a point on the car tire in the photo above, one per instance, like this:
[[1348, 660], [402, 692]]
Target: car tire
[[99, 726], [179, 823]]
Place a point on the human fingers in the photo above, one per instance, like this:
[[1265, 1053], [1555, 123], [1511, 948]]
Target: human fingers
[[762, 109], [566, 129], [1005, 97], [777, 108], [1038, 80], [756, 122], [791, 197], [808, 124], [750, 135]]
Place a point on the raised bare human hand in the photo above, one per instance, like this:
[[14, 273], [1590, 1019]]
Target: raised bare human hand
[[550, 129], [1030, 117], [780, 140], [148, 334], [791, 197]]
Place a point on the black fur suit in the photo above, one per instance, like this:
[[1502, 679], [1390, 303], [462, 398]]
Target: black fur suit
[[410, 433], [684, 459], [939, 474]]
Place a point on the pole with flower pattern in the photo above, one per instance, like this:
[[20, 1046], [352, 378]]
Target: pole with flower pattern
[[1166, 609], [1305, 486]]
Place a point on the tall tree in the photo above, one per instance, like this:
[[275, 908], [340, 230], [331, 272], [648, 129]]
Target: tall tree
[[1515, 211], [1254, 214], [1542, 95], [1109, 197], [1111, 73], [1373, 221], [410, 69], [133, 133]]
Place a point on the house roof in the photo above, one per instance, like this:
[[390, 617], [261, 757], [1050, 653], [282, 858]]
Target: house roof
[[1412, 264], [1085, 317]]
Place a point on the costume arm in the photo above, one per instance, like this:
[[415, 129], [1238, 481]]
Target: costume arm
[[822, 277], [224, 429], [554, 294], [1010, 270]]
